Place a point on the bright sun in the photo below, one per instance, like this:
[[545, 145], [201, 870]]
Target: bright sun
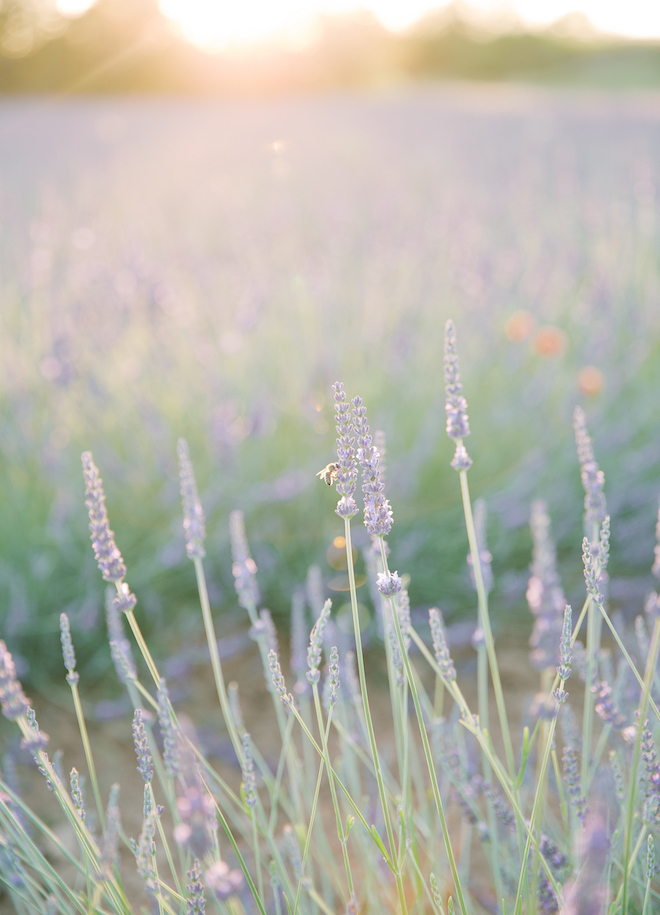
[[214, 23]]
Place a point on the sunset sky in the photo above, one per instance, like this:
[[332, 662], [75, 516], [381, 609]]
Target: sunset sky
[[216, 23]]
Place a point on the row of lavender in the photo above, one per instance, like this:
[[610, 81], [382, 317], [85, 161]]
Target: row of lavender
[[340, 823]]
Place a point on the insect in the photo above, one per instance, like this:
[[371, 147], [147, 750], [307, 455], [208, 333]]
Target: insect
[[329, 473]]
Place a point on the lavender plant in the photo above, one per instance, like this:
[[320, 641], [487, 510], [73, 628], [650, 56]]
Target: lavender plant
[[338, 820]]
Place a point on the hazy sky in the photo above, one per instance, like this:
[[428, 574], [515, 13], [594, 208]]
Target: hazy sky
[[217, 22]]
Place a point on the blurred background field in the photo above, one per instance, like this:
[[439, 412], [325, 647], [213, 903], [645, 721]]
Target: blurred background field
[[208, 269], [208, 262]]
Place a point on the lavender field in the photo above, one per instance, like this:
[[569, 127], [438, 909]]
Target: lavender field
[[209, 269]]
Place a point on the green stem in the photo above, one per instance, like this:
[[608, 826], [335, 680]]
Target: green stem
[[88, 751], [427, 749], [485, 619], [367, 715]]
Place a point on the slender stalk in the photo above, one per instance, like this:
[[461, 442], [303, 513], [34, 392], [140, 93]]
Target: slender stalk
[[367, 714], [427, 751], [215, 658], [87, 747], [485, 619]]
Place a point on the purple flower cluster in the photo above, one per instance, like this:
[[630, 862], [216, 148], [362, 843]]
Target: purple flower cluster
[[587, 893], [196, 809], [651, 765], [455, 405], [145, 763], [572, 776], [222, 881], [106, 552], [377, 512], [440, 647], [244, 568], [389, 583], [194, 527], [68, 653], [76, 794], [332, 679], [168, 731], [545, 596], [606, 708], [195, 904], [14, 701], [316, 644], [249, 785], [346, 458], [593, 479]]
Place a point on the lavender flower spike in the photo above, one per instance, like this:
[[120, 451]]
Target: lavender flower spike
[[106, 553], [195, 904], [440, 648], [389, 583], [244, 568], [591, 575], [593, 479], [68, 653], [346, 459], [455, 405], [14, 702], [316, 644], [194, 527], [145, 763], [377, 511], [332, 680]]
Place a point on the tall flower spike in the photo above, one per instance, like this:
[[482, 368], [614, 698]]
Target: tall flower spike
[[145, 763], [316, 644], [440, 648], [106, 553], [377, 512], [68, 653], [593, 479], [14, 701], [458, 426], [545, 596], [332, 679], [168, 731], [195, 904], [194, 528], [249, 786], [244, 568], [347, 464]]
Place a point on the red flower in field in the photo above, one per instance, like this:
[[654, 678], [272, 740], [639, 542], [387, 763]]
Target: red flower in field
[[549, 341], [591, 381]]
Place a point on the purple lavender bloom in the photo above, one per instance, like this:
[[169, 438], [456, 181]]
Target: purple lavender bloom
[[196, 809], [36, 740], [346, 458], [461, 459], [572, 776], [249, 785], [316, 644], [168, 731], [389, 583], [122, 658], [650, 857], [111, 834], [593, 479], [606, 708], [565, 648], [650, 759], [278, 679], [76, 794], [14, 701], [195, 904], [545, 596], [244, 568], [145, 763], [377, 512], [331, 683], [591, 573], [587, 893], [68, 653], [106, 553], [222, 881], [194, 527], [455, 405], [440, 648]]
